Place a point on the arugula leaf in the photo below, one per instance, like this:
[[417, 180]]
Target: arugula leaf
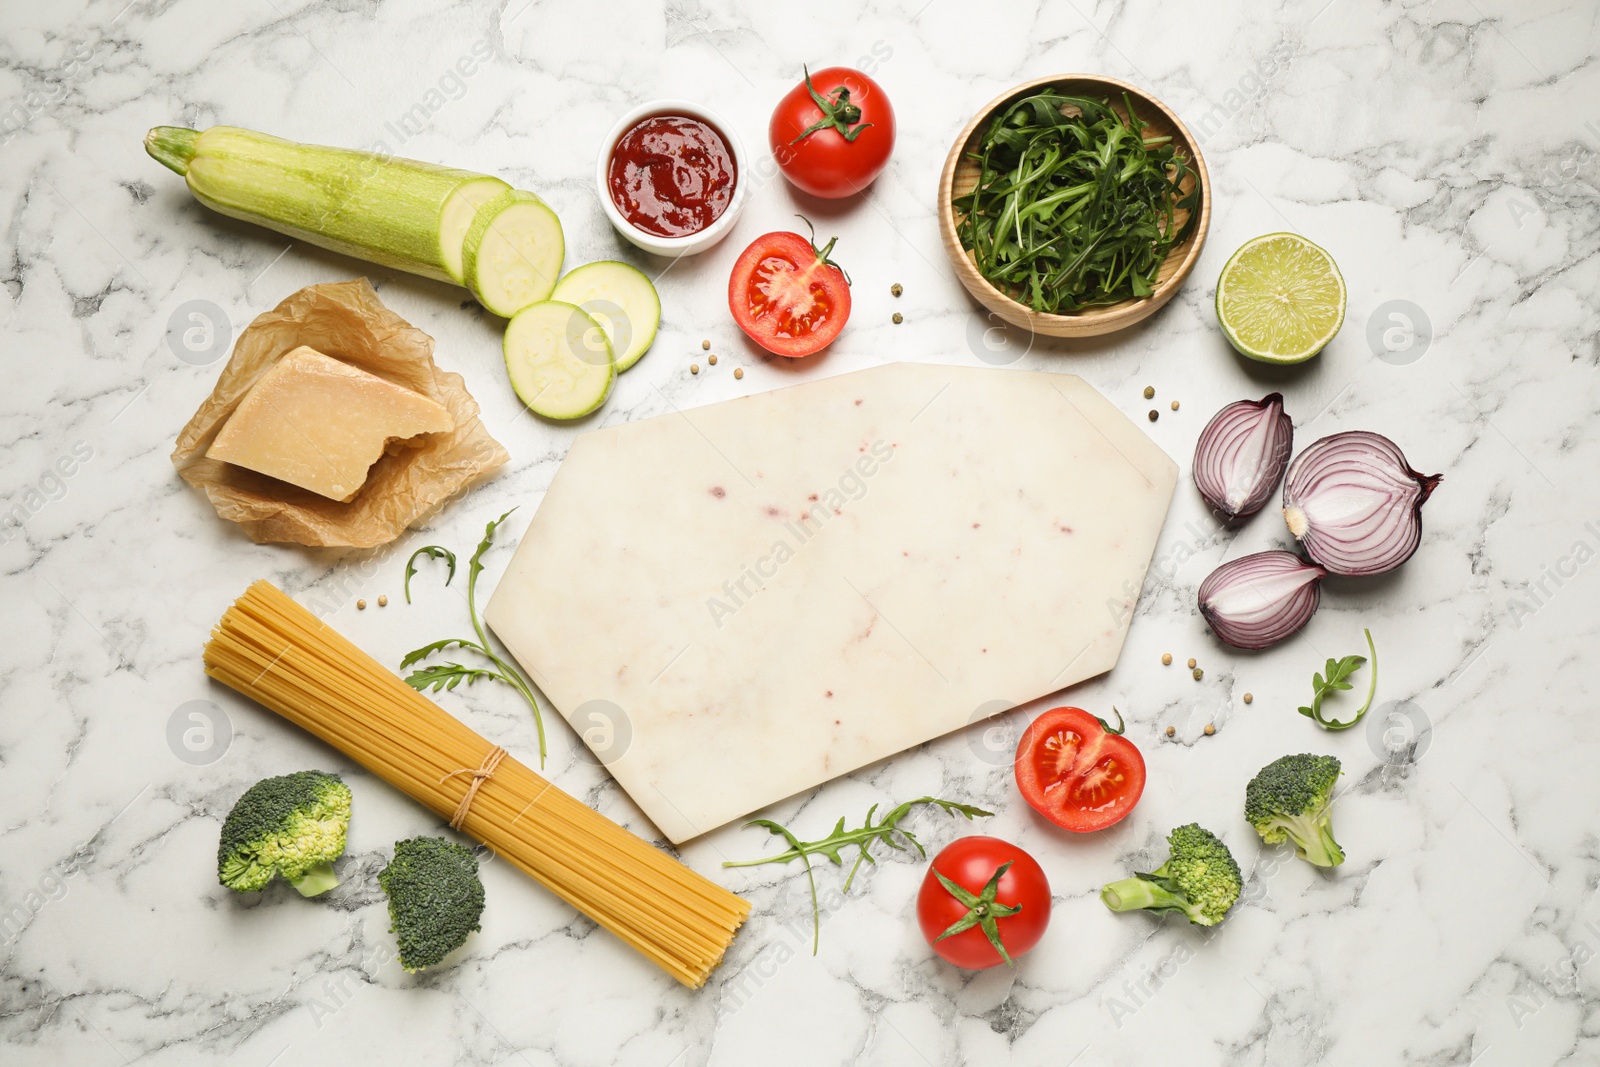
[[432, 552], [862, 838], [446, 676], [1337, 672], [418, 654]]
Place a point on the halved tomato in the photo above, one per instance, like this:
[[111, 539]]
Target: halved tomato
[[787, 295], [1077, 771]]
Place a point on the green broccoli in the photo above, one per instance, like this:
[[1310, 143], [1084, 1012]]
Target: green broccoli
[[435, 898], [293, 825], [1199, 879], [1289, 798]]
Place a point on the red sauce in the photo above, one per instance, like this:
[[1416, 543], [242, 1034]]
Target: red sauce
[[672, 176]]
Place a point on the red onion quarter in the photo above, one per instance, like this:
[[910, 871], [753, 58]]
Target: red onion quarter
[[1355, 504], [1256, 601], [1241, 455]]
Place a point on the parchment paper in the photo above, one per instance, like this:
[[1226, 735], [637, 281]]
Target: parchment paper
[[344, 320]]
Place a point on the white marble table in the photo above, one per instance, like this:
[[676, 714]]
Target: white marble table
[[1445, 152]]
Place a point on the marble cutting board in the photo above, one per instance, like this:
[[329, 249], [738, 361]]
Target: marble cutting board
[[735, 603]]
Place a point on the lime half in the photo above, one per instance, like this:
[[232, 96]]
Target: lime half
[[1280, 299]]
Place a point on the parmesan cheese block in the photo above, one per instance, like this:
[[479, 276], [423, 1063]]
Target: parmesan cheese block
[[318, 423]]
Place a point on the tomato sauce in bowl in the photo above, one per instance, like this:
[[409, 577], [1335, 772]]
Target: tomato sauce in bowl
[[672, 175]]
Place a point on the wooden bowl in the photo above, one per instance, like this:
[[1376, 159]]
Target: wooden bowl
[[961, 175]]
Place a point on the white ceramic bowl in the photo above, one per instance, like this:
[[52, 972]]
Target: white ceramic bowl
[[694, 242]]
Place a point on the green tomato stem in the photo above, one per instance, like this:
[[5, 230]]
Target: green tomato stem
[[838, 113]]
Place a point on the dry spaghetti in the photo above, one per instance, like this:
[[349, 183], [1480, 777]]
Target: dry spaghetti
[[274, 651]]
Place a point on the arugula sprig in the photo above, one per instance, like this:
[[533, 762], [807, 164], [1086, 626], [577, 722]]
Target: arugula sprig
[[1337, 673], [448, 675], [862, 838], [432, 552]]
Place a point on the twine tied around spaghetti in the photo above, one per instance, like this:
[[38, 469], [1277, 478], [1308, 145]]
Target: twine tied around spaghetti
[[485, 771]]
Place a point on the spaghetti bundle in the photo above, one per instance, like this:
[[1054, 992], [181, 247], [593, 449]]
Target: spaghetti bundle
[[276, 652]]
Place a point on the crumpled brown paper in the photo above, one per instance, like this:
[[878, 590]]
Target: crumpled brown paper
[[344, 320]]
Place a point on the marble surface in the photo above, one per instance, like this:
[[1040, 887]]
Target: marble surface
[[1445, 152], [760, 618]]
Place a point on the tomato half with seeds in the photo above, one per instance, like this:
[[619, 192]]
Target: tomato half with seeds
[[788, 296], [1077, 771]]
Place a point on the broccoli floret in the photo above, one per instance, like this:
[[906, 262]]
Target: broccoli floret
[[1289, 799], [293, 825], [435, 898], [1199, 879]]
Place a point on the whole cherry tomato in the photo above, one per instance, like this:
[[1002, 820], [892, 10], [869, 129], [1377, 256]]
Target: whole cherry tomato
[[983, 901], [1078, 772], [832, 134]]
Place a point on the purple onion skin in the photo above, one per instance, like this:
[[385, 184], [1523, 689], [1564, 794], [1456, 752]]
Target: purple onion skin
[[1255, 601], [1371, 501], [1241, 455]]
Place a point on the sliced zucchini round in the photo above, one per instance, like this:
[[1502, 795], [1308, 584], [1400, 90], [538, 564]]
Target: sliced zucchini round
[[621, 299], [559, 359], [512, 253], [456, 218]]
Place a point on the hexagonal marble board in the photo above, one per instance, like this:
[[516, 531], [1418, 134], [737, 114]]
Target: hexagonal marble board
[[739, 602]]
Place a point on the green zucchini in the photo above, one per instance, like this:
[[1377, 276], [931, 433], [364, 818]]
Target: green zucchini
[[512, 253], [559, 360], [398, 212], [621, 299]]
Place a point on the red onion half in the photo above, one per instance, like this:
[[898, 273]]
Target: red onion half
[[1241, 455], [1355, 504], [1258, 600]]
